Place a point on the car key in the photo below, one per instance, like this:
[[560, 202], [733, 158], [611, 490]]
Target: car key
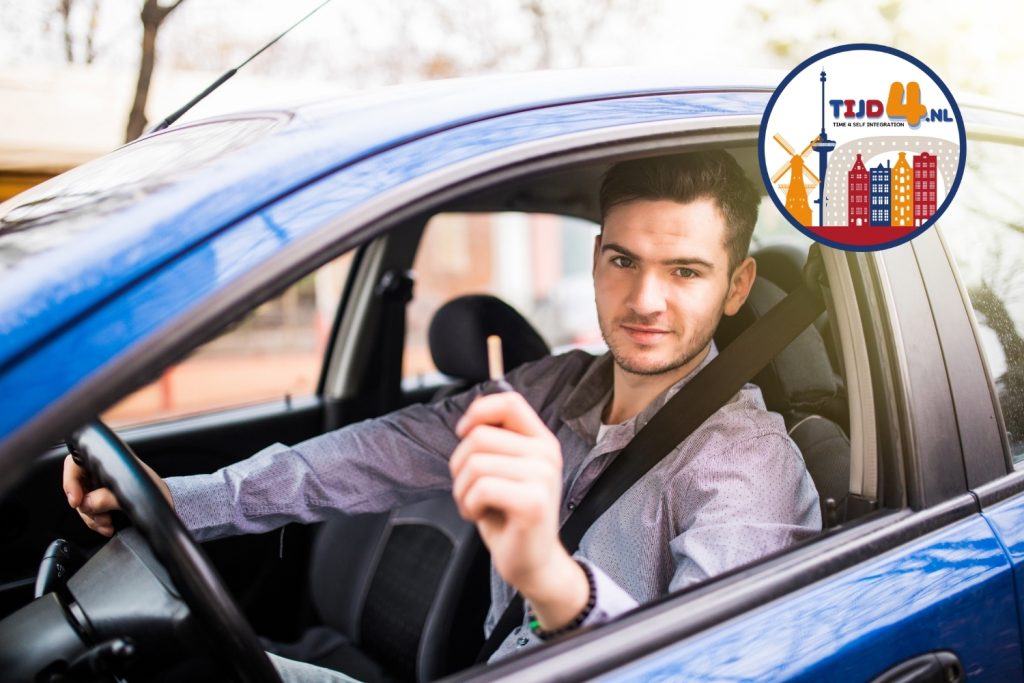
[[496, 367]]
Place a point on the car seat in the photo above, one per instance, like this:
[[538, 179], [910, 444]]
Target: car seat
[[403, 595], [801, 385]]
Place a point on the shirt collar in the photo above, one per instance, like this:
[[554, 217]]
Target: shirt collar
[[584, 405]]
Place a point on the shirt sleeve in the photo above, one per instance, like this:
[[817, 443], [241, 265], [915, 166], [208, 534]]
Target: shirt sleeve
[[370, 466], [610, 599]]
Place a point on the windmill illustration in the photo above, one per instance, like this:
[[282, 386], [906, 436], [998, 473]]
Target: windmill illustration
[[796, 190]]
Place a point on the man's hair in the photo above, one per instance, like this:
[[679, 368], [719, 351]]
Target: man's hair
[[684, 178]]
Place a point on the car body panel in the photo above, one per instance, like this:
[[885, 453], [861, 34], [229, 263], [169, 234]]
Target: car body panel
[[950, 590], [1007, 521], [45, 292]]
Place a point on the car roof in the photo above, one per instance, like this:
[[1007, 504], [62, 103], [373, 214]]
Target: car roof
[[74, 240]]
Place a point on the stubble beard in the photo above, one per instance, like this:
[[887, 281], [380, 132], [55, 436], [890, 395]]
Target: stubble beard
[[701, 340]]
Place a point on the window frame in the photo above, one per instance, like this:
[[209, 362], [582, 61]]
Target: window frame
[[997, 478]]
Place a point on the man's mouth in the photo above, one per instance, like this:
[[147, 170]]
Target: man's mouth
[[643, 334]]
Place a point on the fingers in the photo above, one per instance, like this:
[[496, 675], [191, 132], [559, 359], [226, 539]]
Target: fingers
[[513, 469], [514, 499], [487, 439], [98, 501], [74, 482], [508, 410], [93, 506], [101, 523]]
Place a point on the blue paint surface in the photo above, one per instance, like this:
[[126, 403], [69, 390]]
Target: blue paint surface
[[950, 590], [1007, 521], [116, 243]]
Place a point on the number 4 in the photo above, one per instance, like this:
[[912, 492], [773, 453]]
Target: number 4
[[912, 110]]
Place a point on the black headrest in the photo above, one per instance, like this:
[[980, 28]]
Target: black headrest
[[783, 264], [801, 377], [458, 336]]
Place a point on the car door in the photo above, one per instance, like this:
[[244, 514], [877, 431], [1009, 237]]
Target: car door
[[984, 255], [923, 582], [255, 385]]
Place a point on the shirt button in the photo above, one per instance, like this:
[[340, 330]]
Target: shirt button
[[523, 641], [571, 505]]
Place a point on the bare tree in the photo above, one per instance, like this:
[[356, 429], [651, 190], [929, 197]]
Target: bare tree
[[64, 9], [153, 16], [90, 35]]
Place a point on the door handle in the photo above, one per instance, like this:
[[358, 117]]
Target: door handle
[[933, 667]]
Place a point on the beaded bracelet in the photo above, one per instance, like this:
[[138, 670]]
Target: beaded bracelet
[[576, 622]]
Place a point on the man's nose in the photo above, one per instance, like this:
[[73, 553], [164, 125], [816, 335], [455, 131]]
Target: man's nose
[[648, 295]]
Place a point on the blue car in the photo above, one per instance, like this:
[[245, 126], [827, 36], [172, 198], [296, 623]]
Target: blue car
[[195, 252]]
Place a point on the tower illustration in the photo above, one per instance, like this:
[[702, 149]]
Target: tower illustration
[[822, 146]]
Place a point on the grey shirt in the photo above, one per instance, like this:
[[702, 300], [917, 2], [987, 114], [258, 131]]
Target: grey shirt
[[735, 490]]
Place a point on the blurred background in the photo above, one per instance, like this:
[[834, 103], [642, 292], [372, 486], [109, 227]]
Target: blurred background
[[78, 78]]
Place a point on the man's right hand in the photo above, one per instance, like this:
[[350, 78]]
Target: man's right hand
[[94, 505]]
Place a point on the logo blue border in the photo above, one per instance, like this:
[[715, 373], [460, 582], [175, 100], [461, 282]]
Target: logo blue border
[[849, 48]]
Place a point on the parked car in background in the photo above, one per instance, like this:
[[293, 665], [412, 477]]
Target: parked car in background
[[232, 282]]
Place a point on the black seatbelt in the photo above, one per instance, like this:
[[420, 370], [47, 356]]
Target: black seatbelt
[[708, 391]]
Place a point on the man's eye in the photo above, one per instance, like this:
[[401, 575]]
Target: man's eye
[[686, 272], [621, 261]]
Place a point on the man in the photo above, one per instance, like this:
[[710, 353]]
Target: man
[[670, 261]]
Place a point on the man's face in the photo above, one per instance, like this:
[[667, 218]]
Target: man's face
[[662, 282]]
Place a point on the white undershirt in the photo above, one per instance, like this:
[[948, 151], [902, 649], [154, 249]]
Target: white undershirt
[[601, 431]]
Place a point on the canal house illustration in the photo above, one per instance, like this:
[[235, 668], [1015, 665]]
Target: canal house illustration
[[896, 195], [924, 187], [880, 194], [858, 194], [902, 214]]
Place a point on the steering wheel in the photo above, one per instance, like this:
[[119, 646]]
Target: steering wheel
[[111, 463]]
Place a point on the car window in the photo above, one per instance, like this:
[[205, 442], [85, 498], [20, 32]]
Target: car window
[[538, 263], [276, 352], [984, 229]]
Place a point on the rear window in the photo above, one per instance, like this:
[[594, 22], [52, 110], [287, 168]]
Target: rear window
[[50, 213]]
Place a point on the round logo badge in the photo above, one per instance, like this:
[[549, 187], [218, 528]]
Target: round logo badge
[[862, 147]]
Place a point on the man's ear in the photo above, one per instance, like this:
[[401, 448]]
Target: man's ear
[[597, 253], [740, 283]]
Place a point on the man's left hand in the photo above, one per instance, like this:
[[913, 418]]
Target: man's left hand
[[507, 475]]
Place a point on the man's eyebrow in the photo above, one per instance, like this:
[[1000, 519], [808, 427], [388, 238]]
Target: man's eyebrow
[[681, 261]]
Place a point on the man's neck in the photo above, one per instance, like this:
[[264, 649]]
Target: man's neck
[[631, 393]]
